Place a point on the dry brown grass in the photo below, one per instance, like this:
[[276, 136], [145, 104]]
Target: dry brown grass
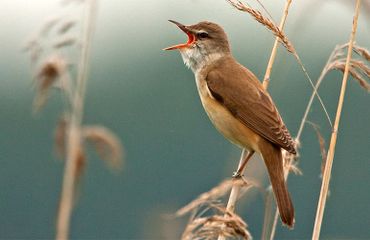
[[219, 222], [358, 69], [336, 61], [106, 143], [65, 42], [48, 75], [269, 222], [209, 220], [66, 26], [60, 137], [53, 39], [330, 157], [215, 194], [321, 141], [259, 17]]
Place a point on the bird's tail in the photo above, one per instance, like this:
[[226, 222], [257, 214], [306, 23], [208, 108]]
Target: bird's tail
[[274, 162]]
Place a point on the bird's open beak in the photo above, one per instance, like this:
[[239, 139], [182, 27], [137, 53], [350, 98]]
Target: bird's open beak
[[191, 37]]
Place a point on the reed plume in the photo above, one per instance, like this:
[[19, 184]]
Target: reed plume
[[330, 157], [358, 70], [280, 37], [209, 220], [219, 223], [267, 22], [70, 134]]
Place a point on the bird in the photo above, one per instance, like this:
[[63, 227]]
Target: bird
[[238, 105]]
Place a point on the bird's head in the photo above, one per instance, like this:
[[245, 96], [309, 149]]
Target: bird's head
[[207, 42]]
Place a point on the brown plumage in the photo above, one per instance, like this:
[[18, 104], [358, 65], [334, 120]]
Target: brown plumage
[[248, 101], [237, 104]]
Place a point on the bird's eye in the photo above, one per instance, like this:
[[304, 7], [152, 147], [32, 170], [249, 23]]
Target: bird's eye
[[202, 35]]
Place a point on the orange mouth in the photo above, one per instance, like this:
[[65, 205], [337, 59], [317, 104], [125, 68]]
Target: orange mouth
[[191, 37]]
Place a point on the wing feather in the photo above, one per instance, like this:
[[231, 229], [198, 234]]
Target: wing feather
[[245, 98]]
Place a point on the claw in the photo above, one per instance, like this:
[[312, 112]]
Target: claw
[[236, 175]]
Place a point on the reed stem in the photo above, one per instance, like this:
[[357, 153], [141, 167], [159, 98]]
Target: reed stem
[[266, 79], [74, 128], [310, 102], [234, 194], [333, 140]]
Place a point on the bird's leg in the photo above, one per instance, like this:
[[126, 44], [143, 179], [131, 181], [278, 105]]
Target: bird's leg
[[242, 165]]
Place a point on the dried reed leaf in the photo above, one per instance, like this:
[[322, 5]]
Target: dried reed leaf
[[66, 26], [47, 76], [34, 48], [268, 23], [290, 163], [246, 185], [353, 70], [106, 143], [265, 9], [360, 65], [79, 171], [293, 167], [358, 69], [363, 52], [363, 83], [65, 42], [221, 223], [329, 162], [357, 76], [48, 25], [215, 193], [60, 134], [80, 164], [321, 143]]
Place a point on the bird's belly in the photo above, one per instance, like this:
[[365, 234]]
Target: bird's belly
[[233, 129]]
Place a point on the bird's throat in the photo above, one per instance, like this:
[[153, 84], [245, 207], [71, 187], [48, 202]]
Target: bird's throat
[[196, 60]]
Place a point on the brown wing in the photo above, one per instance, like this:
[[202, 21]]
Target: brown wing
[[245, 98]]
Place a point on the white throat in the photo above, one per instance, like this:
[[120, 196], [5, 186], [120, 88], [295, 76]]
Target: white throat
[[195, 59]]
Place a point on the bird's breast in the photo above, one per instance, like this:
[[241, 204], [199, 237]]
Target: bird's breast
[[233, 129]]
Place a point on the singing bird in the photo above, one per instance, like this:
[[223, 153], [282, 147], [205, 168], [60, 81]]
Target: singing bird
[[237, 104]]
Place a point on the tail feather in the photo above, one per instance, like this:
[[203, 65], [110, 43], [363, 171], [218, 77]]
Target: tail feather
[[274, 162]]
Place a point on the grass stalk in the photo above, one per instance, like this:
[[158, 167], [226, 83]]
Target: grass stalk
[[74, 129], [270, 222], [271, 212], [236, 188], [333, 140], [266, 79], [310, 102]]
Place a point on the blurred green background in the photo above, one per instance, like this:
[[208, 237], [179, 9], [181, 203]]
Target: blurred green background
[[173, 153]]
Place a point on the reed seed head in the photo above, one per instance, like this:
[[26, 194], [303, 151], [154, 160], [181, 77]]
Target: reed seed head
[[218, 223], [46, 77], [106, 143]]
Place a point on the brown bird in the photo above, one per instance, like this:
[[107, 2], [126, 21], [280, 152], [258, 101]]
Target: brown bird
[[238, 105]]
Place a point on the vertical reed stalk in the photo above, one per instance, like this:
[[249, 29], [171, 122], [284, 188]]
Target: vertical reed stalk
[[333, 140], [74, 129], [236, 188], [266, 79], [310, 102]]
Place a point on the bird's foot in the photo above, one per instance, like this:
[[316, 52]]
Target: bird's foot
[[237, 175]]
